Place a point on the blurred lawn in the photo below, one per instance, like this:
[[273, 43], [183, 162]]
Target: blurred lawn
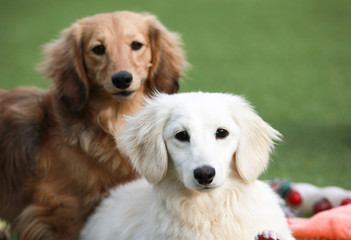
[[291, 59]]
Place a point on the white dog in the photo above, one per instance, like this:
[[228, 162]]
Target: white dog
[[200, 154]]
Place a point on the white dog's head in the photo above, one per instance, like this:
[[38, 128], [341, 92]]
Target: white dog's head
[[201, 134]]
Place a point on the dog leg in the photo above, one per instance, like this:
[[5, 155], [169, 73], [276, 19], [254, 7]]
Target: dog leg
[[268, 235], [44, 222]]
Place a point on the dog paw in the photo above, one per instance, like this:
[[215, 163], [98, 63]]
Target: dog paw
[[4, 235], [268, 235]]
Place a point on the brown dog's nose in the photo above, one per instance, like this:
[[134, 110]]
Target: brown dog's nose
[[204, 175], [122, 79]]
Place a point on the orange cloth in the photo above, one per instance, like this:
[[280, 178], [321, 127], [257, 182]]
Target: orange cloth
[[330, 224]]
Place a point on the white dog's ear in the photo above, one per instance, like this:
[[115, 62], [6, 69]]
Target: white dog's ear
[[142, 140], [255, 142]]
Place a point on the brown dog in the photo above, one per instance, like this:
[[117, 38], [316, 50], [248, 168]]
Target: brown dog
[[57, 153]]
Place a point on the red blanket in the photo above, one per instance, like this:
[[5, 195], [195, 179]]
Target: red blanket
[[331, 224]]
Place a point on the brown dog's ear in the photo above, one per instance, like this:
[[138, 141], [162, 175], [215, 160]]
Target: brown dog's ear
[[65, 65], [142, 139], [255, 142], [168, 58]]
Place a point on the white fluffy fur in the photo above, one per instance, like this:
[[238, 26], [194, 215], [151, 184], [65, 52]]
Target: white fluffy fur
[[169, 203]]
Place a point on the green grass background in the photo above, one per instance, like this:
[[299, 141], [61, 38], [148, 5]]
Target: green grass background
[[290, 58]]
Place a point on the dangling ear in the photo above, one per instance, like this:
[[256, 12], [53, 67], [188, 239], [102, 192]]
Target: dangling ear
[[168, 58], [142, 140], [65, 65], [255, 143]]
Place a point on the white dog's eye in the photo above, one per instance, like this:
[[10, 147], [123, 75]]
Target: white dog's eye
[[182, 136], [221, 133]]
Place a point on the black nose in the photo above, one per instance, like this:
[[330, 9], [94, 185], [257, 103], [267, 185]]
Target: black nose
[[204, 175], [122, 79]]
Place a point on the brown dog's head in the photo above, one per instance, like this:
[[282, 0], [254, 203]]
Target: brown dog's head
[[114, 53]]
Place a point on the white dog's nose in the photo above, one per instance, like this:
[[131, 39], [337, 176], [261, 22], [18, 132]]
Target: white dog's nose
[[204, 175]]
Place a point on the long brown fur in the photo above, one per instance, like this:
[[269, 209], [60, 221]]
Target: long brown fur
[[57, 154]]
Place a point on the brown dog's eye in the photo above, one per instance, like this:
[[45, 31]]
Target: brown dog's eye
[[99, 50], [182, 136], [136, 45], [221, 133]]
